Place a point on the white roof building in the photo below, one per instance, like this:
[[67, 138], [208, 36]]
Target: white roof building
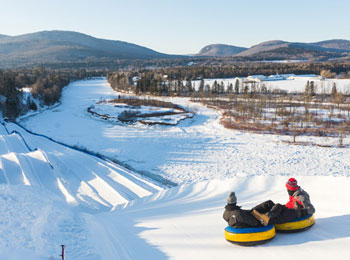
[[256, 78], [136, 78]]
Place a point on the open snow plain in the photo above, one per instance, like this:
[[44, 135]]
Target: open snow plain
[[197, 149], [184, 222]]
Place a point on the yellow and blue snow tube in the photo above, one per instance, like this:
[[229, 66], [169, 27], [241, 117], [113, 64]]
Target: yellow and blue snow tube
[[297, 225], [250, 236]]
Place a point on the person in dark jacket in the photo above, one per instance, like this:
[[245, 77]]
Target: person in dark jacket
[[237, 217], [299, 205]]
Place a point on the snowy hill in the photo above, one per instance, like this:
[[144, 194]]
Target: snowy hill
[[77, 177], [56, 195], [44, 192], [186, 222]]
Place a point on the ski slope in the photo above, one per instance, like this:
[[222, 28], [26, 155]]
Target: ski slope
[[52, 195]]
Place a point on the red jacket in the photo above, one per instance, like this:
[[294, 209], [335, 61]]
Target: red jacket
[[300, 200], [294, 203]]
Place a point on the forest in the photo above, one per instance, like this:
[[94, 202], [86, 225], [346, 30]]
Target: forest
[[45, 86]]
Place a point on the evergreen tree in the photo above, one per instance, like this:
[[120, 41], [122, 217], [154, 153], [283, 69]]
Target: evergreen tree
[[230, 88], [334, 91], [307, 90], [237, 87], [201, 86], [189, 86], [214, 88]]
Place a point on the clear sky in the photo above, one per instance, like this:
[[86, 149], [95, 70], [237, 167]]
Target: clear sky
[[182, 26]]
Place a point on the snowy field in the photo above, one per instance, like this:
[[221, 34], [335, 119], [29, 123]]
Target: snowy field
[[197, 149], [103, 211]]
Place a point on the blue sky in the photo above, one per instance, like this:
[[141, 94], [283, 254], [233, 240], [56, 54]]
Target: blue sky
[[180, 26]]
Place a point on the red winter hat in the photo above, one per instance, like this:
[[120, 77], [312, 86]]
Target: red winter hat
[[292, 184]]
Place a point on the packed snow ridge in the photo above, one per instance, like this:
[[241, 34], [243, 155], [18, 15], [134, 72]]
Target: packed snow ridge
[[51, 194], [82, 179]]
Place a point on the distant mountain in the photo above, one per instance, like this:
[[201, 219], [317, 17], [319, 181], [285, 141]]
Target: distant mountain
[[66, 46], [297, 50], [343, 45], [220, 50], [79, 50], [262, 47]]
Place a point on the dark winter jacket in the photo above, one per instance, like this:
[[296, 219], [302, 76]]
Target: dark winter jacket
[[239, 218], [300, 200]]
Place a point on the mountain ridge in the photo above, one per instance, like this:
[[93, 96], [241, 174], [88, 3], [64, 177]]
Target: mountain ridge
[[336, 46], [68, 46], [220, 50], [279, 49]]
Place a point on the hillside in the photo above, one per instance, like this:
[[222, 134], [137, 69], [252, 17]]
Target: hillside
[[73, 49], [78, 178], [220, 50], [279, 50], [101, 210], [342, 45], [66, 46]]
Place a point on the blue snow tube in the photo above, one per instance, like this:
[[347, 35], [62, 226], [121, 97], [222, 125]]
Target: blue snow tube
[[250, 236]]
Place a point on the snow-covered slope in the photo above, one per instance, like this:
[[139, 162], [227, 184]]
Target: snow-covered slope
[[45, 188], [186, 222], [55, 195], [79, 178]]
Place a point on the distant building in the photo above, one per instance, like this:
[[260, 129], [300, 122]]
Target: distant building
[[286, 76], [256, 78], [135, 80], [280, 77], [303, 76], [275, 77]]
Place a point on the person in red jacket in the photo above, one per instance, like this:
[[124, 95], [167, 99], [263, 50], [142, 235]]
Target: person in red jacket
[[299, 205]]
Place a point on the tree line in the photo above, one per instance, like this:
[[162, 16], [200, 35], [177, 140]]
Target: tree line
[[170, 80], [45, 86]]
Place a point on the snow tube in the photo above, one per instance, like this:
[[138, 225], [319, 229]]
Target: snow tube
[[250, 236], [297, 225]]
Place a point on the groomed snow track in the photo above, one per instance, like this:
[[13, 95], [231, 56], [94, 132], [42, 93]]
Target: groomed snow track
[[79, 178]]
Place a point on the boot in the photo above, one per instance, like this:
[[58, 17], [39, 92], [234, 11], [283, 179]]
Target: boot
[[264, 219]]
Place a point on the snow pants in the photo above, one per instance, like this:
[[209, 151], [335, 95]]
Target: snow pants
[[279, 213]]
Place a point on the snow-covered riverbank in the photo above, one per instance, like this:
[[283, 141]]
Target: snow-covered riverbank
[[197, 149]]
